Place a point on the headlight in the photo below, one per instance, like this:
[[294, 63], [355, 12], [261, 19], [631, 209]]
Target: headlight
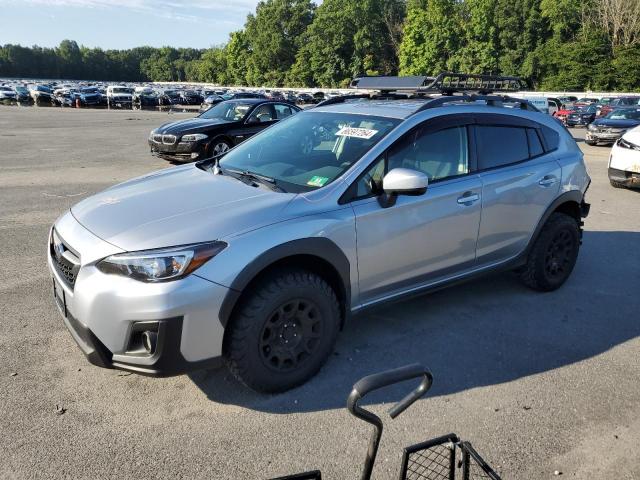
[[194, 137], [622, 143], [161, 265], [592, 127], [152, 132]]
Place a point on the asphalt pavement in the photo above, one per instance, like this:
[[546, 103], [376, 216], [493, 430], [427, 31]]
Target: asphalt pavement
[[541, 384]]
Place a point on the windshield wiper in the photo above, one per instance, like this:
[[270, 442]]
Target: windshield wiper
[[253, 178]]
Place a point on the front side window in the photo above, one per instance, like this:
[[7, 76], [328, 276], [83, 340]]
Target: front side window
[[228, 111], [499, 146], [441, 154], [263, 113], [309, 150]]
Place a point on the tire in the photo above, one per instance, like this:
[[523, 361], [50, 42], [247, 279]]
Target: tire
[[283, 331], [615, 184], [590, 142], [219, 146], [554, 254]]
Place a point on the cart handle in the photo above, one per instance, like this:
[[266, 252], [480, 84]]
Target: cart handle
[[380, 380], [391, 377]]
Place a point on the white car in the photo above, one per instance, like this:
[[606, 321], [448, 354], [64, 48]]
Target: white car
[[624, 161], [7, 93], [119, 96]]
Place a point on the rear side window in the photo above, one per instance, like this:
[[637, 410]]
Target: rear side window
[[535, 147], [551, 138], [499, 146]]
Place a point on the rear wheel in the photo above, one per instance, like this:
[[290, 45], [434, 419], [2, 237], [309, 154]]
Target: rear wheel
[[590, 142], [615, 184], [554, 254], [283, 331]]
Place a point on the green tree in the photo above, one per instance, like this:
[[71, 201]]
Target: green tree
[[237, 56], [479, 51], [431, 37], [70, 59], [273, 36], [346, 39]]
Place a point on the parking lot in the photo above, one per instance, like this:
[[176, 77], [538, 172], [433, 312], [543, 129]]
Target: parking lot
[[539, 383]]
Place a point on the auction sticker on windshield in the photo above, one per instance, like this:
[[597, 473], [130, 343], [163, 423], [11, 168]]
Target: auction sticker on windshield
[[364, 133]]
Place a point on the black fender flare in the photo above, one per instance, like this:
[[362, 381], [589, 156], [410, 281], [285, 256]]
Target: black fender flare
[[320, 247], [571, 196]]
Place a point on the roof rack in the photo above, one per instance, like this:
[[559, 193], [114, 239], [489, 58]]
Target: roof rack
[[470, 88], [491, 100], [445, 83]]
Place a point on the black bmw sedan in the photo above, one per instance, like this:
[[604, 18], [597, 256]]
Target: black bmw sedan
[[217, 130]]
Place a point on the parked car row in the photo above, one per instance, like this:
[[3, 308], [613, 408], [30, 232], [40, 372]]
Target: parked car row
[[138, 96]]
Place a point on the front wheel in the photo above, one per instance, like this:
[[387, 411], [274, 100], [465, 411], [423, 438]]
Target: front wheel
[[218, 147], [554, 254], [283, 331], [590, 142]]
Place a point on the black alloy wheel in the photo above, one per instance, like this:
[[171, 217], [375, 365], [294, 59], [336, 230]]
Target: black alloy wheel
[[291, 334]]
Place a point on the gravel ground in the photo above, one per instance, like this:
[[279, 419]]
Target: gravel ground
[[538, 382]]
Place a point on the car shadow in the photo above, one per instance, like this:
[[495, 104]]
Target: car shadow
[[482, 333]]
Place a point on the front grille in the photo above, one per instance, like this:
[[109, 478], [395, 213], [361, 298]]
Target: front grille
[[157, 137], [66, 262], [168, 139]]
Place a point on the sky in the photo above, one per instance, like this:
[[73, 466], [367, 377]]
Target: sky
[[122, 24]]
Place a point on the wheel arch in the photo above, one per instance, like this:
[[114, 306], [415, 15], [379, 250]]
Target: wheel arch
[[319, 255], [220, 136], [570, 203]]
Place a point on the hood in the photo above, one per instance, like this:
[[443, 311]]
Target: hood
[[608, 122], [633, 136], [178, 206], [190, 125]]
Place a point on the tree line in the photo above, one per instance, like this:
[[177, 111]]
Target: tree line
[[554, 44]]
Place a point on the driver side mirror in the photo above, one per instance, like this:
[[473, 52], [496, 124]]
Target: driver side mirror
[[402, 181]]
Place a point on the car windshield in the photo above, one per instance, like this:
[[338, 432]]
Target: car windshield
[[308, 150], [121, 90], [228, 111], [589, 109], [21, 89], [626, 114], [5, 89]]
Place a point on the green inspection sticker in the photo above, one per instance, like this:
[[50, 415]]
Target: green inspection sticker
[[317, 181]]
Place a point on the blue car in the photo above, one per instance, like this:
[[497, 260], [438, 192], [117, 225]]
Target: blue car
[[609, 129], [90, 97]]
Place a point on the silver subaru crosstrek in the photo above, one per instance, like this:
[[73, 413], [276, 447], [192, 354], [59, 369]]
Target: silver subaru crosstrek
[[260, 257]]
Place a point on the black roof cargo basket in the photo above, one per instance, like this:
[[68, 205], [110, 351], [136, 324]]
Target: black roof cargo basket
[[445, 83]]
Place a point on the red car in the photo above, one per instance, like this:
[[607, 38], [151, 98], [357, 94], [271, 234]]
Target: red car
[[564, 112]]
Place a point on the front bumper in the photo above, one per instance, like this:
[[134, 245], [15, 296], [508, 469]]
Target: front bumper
[[577, 122], [179, 152], [603, 137], [628, 179], [106, 313]]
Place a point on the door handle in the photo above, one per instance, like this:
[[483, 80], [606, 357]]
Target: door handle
[[468, 198], [547, 180]]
